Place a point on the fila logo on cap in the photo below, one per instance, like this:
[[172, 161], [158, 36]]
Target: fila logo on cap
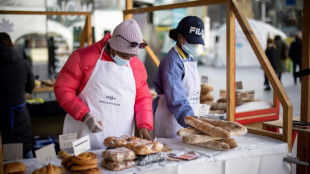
[[196, 30]]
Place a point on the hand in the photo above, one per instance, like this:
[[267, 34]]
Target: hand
[[93, 123], [144, 133]]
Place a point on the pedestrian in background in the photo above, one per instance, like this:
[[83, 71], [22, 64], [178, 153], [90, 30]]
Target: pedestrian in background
[[16, 78], [271, 55], [295, 53], [281, 55]]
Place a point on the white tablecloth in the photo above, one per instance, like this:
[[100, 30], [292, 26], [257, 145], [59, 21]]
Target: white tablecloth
[[254, 155]]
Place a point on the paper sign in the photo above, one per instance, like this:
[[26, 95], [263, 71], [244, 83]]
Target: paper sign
[[81, 145], [204, 79], [12, 151], [46, 153], [187, 156], [202, 110], [250, 94], [239, 85], [140, 19], [65, 141]]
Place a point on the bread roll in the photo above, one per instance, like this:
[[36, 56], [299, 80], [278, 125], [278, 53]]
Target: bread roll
[[114, 142], [231, 142], [117, 166], [206, 97], [189, 131], [63, 154], [233, 127], [191, 139], [85, 158], [14, 167], [205, 88], [214, 145], [144, 147], [83, 167], [118, 154], [206, 127]]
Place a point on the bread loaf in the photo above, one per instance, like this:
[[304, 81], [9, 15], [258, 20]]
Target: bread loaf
[[214, 145], [189, 131], [118, 154], [114, 142], [144, 147], [117, 166], [14, 167], [231, 142], [89, 171], [233, 127], [192, 139], [206, 127], [206, 97]]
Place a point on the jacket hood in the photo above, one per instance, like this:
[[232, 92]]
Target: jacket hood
[[7, 55]]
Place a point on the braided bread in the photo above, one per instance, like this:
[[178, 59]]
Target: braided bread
[[86, 158]]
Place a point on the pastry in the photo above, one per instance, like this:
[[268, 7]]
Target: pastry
[[14, 167], [50, 169], [86, 158], [83, 167]]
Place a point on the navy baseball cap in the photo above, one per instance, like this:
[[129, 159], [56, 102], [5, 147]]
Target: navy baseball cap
[[191, 27]]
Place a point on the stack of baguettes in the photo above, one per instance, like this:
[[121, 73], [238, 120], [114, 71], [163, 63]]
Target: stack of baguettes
[[211, 134]]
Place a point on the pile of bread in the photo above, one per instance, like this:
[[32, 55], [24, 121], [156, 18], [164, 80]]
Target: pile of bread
[[124, 149], [85, 162], [210, 133], [242, 97], [20, 168], [205, 96]]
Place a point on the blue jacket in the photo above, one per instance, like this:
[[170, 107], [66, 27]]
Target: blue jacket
[[168, 81]]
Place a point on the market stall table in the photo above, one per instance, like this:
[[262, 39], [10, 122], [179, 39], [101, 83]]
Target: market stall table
[[255, 154]]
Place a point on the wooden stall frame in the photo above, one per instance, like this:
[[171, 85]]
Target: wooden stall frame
[[234, 12], [87, 30]]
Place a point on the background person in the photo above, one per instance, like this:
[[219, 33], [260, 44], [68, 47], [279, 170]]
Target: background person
[[103, 87], [177, 81], [271, 55], [295, 53], [281, 55], [16, 78]]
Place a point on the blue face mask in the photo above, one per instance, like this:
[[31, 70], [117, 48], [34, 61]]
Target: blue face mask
[[189, 48], [119, 61]]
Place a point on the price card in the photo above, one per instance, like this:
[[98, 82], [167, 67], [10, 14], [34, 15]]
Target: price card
[[202, 110], [81, 145], [204, 79], [65, 141], [13, 151], [46, 153], [239, 85]]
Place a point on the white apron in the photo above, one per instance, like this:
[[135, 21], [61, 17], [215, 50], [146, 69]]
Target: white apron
[[110, 94], [166, 125]]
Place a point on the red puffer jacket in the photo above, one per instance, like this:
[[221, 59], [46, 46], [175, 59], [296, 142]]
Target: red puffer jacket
[[76, 72]]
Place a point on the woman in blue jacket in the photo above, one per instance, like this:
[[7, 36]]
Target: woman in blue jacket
[[177, 81]]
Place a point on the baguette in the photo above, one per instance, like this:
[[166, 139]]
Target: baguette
[[192, 139], [231, 142], [234, 128], [206, 127], [189, 131], [214, 145]]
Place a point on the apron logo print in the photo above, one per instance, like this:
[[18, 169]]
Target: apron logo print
[[110, 97]]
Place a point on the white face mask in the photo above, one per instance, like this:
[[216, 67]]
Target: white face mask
[[189, 48], [120, 61]]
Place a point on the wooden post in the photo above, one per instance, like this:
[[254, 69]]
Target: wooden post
[[303, 143], [129, 6], [231, 63], [152, 55]]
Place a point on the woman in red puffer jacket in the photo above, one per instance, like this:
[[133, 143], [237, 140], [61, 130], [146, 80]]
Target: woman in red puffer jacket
[[103, 88]]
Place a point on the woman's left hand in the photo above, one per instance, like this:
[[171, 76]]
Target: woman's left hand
[[145, 134]]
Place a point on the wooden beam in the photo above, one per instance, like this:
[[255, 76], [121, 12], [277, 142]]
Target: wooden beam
[[265, 133], [129, 6], [269, 71], [231, 63], [152, 55], [305, 80], [43, 12], [173, 6]]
